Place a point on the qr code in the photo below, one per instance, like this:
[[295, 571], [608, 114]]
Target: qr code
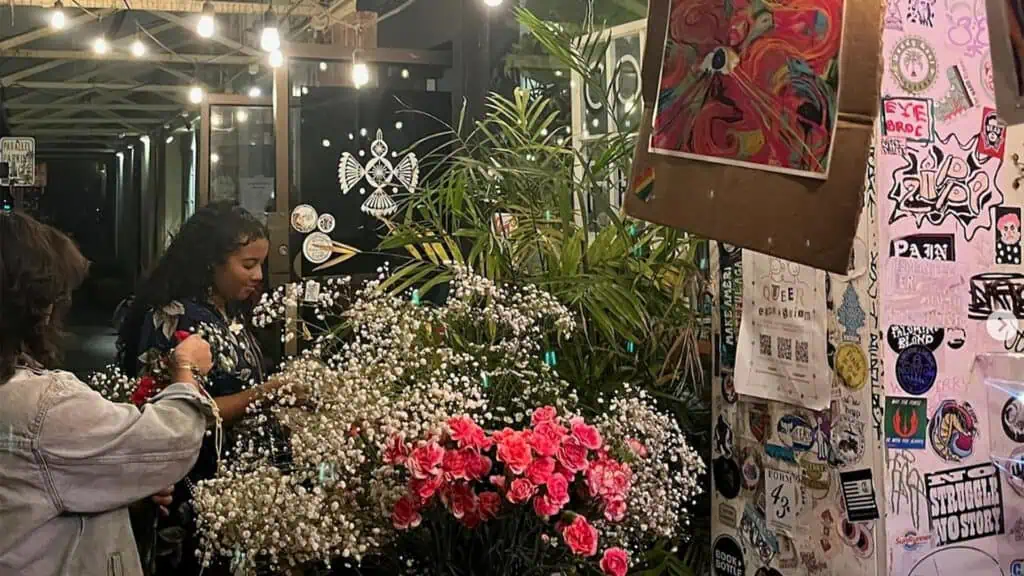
[[801, 352], [766, 345], [785, 348]]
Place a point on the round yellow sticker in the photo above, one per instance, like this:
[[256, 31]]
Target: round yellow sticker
[[852, 365]]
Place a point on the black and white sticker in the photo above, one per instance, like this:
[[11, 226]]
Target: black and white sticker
[[859, 495]]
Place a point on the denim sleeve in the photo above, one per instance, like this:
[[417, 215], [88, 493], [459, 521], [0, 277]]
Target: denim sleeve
[[97, 456]]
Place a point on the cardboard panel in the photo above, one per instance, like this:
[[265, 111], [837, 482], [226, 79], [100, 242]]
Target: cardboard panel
[[808, 221]]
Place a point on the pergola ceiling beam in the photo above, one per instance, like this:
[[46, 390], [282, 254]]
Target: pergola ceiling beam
[[302, 7], [45, 31], [72, 132], [218, 38], [90, 107], [337, 53], [107, 86], [115, 56], [46, 122]]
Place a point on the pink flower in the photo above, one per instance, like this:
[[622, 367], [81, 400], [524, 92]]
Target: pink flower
[[477, 465], [489, 503], [547, 437], [460, 499], [572, 454], [521, 490], [397, 451], [405, 514], [558, 489], [543, 414], [545, 507], [514, 451], [615, 562], [500, 436], [426, 460], [499, 482], [609, 479], [581, 537], [586, 434], [425, 488], [540, 470], [455, 465], [637, 447], [467, 433], [615, 510]]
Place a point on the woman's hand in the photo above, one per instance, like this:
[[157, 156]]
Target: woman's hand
[[164, 499], [193, 352]]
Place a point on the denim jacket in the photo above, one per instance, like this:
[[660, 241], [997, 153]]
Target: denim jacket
[[71, 463]]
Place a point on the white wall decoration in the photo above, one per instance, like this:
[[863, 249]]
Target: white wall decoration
[[379, 173]]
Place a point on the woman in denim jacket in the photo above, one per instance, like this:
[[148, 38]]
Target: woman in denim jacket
[[70, 461]]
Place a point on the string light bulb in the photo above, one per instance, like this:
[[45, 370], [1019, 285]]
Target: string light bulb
[[138, 48], [276, 59], [493, 3], [196, 94], [255, 92], [270, 38], [207, 25], [100, 46], [360, 74], [57, 20]]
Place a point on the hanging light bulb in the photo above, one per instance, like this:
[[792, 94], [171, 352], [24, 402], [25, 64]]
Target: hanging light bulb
[[214, 158], [138, 48], [196, 94], [57, 19], [276, 59], [207, 25], [169, 140], [493, 3], [255, 92], [270, 38], [242, 116], [360, 74], [100, 46], [405, 73], [323, 66]]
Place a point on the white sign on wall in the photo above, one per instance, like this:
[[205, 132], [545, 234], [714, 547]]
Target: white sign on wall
[[20, 155]]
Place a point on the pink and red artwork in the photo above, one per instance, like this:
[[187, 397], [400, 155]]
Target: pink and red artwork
[[751, 83]]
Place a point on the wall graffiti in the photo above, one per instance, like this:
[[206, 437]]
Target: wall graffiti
[[994, 291], [966, 26], [906, 486]]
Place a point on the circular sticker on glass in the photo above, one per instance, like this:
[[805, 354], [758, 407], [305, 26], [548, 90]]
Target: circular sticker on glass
[[852, 365], [304, 218], [325, 223], [953, 430], [726, 474], [751, 466], [916, 369], [1015, 470], [914, 65], [727, 557], [317, 247], [1013, 419]]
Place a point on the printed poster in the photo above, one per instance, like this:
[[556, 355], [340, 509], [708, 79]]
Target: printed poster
[[750, 83], [781, 354]]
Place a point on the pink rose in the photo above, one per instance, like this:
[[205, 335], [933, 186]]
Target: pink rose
[[405, 514], [615, 510], [540, 470], [455, 465], [572, 454], [477, 465], [558, 489], [581, 537], [547, 437], [586, 434], [460, 500], [637, 447], [609, 479], [426, 460], [397, 451], [514, 451], [500, 436], [545, 507], [425, 488], [543, 414], [521, 490], [489, 503], [467, 433], [615, 562], [499, 482]]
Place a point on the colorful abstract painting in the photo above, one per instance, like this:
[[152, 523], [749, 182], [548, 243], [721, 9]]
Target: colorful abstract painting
[[753, 83]]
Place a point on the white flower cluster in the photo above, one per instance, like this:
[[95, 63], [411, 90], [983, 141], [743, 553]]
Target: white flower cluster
[[666, 471], [391, 367], [113, 384]]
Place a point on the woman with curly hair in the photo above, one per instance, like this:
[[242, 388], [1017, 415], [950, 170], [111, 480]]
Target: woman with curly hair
[[70, 461], [204, 283]]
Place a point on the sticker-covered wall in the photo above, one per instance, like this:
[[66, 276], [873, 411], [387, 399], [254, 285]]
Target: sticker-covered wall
[[797, 491], [951, 289]]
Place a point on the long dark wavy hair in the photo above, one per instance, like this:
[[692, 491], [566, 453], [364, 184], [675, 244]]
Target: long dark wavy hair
[[39, 268], [186, 270]]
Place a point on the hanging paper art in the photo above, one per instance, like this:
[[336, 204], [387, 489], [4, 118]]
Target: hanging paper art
[[751, 83], [379, 173], [317, 246]]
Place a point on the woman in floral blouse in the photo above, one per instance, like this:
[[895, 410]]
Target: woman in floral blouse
[[203, 284]]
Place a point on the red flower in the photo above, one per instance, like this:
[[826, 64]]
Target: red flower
[[547, 437], [615, 562], [615, 510], [545, 507], [543, 414], [426, 488], [572, 454], [144, 391], [460, 499], [637, 447], [558, 489], [406, 514], [581, 537], [472, 519], [521, 490], [499, 482], [477, 465], [489, 504], [455, 464], [540, 470], [514, 451], [397, 451], [426, 460], [182, 335], [500, 436], [467, 433], [586, 434]]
